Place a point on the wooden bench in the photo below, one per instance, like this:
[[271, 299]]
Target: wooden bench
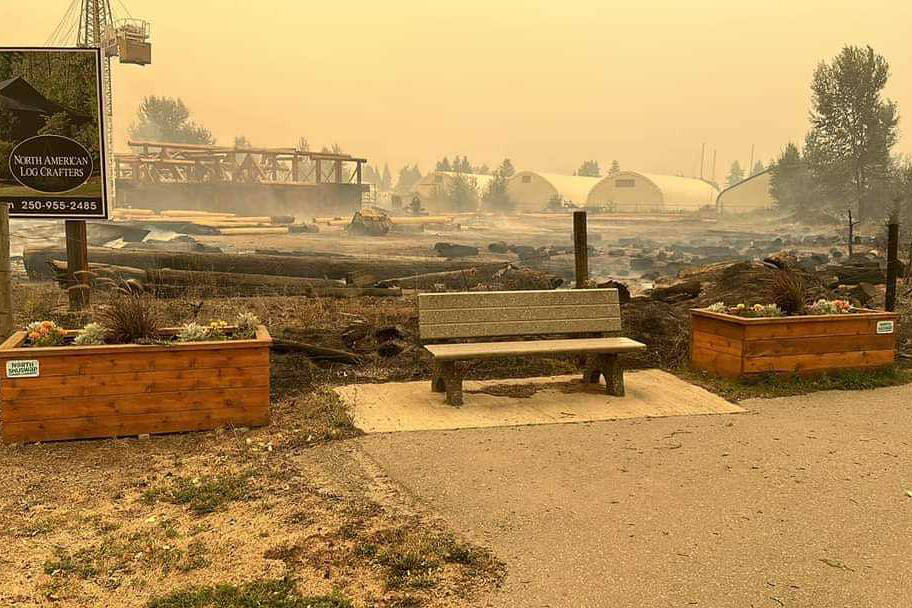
[[548, 316]]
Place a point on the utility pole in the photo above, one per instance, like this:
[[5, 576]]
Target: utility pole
[[750, 166], [95, 19], [714, 165], [702, 156]]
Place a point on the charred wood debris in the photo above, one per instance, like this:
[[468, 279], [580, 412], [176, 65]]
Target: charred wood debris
[[658, 282]]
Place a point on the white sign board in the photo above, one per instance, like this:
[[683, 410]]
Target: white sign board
[[885, 327], [24, 368]]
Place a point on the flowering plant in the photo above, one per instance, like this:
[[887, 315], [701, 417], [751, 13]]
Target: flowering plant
[[820, 307], [192, 332], [45, 333], [247, 323], [93, 333], [743, 310], [216, 329], [829, 307]]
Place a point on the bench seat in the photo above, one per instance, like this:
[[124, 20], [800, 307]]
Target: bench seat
[[553, 322], [491, 350]]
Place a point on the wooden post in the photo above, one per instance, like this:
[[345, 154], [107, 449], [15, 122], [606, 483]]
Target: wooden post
[[580, 249], [6, 287], [892, 262], [77, 263], [851, 234]]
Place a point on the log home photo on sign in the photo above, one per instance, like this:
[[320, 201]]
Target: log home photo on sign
[[52, 133]]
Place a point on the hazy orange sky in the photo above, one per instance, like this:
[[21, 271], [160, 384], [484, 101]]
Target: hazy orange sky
[[548, 84]]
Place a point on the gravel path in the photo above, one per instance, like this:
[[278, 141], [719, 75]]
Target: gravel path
[[801, 502]]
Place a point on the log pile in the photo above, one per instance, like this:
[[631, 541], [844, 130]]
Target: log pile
[[289, 265], [205, 222]]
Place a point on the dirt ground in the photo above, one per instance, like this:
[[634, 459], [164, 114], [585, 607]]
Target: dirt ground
[[297, 506], [121, 522]]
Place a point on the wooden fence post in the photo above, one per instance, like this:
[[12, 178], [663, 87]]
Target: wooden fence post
[[892, 262], [77, 247], [580, 249]]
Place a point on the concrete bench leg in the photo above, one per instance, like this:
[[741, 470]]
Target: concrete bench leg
[[591, 371], [438, 382], [614, 374], [447, 378]]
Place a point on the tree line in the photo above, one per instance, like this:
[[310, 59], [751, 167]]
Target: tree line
[[846, 165]]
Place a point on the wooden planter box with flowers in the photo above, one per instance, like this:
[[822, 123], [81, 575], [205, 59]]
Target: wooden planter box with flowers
[[107, 390], [836, 337]]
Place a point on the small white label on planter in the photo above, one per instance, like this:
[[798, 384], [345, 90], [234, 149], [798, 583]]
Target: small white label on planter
[[885, 327], [26, 368]]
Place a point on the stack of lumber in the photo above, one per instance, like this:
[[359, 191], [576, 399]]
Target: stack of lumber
[[222, 223]]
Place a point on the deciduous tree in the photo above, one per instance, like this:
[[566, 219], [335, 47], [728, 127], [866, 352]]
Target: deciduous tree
[[167, 119], [853, 129]]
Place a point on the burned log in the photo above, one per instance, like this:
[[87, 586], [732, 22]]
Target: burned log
[[454, 250], [678, 292], [314, 352], [305, 265], [238, 284], [452, 279], [105, 273]]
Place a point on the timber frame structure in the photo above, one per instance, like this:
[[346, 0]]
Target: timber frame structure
[[162, 163]]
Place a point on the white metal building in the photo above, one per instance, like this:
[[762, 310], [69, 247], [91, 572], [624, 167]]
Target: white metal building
[[531, 191], [747, 195], [635, 192]]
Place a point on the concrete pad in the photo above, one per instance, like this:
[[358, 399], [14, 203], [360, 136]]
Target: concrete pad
[[411, 406]]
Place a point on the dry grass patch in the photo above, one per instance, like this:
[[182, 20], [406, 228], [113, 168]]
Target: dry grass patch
[[277, 593], [202, 495]]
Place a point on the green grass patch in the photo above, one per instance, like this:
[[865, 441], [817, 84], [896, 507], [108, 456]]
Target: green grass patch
[[411, 559], [772, 385], [109, 560], [204, 494], [276, 593]]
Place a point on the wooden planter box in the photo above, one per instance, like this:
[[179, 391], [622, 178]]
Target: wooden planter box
[[76, 392], [733, 346]]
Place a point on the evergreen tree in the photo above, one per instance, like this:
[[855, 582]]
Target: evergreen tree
[[791, 183], [615, 168], [496, 197], [386, 180], [589, 168], [462, 194], [735, 174], [408, 177], [758, 168], [506, 168], [444, 165]]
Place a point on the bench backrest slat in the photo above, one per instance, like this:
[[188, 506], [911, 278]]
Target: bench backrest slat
[[489, 314]]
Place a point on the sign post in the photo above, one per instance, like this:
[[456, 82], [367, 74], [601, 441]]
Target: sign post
[[52, 150], [6, 287]]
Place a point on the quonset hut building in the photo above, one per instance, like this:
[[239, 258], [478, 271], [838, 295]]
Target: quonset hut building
[[634, 192], [747, 195], [531, 191]]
